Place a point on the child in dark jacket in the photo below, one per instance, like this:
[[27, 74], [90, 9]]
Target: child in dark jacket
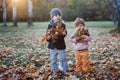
[[80, 38], [55, 35]]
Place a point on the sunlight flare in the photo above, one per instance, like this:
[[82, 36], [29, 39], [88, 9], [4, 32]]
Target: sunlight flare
[[16, 1]]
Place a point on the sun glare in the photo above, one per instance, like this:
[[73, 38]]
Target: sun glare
[[16, 1]]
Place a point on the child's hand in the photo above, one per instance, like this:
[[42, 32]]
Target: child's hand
[[56, 33], [83, 36], [48, 37], [64, 32]]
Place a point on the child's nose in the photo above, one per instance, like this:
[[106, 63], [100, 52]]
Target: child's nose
[[58, 17]]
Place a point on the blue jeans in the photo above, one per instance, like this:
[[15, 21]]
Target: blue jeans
[[53, 59]]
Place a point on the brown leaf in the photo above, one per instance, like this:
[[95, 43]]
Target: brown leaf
[[31, 68]]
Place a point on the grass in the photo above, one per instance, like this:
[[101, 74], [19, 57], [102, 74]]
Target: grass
[[95, 24], [24, 44], [100, 24], [97, 27], [40, 27], [43, 25]]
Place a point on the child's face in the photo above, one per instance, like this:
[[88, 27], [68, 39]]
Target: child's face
[[80, 25], [57, 18]]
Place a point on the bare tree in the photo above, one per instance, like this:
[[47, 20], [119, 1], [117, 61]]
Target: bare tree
[[4, 13], [14, 17], [116, 14], [30, 13]]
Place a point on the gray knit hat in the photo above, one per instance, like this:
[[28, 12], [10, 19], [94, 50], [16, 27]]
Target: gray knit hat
[[54, 12]]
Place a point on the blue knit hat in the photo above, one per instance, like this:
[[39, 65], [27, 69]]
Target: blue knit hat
[[54, 12]]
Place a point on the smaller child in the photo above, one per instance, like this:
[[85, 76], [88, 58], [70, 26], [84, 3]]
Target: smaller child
[[80, 38]]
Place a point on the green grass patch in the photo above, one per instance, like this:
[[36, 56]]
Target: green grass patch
[[100, 24], [69, 25]]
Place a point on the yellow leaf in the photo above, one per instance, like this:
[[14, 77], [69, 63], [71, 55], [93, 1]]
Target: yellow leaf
[[36, 75], [86, 78], [43, 38]]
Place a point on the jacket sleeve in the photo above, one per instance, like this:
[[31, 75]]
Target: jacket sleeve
[[88, 38], [73, 39]]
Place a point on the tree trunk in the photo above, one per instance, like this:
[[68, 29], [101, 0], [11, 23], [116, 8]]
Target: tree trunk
[[4, 13], [30, 13], [119, 19], [14, 17]]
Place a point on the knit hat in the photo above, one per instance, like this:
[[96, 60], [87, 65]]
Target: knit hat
[[54, 12], [79, 21]]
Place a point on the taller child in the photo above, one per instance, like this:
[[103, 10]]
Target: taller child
[[56, 42]]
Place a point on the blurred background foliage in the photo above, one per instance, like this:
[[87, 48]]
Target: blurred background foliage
[[90, 10]]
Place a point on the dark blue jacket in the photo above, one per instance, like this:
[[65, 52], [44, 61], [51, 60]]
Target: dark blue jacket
[[60, 44]]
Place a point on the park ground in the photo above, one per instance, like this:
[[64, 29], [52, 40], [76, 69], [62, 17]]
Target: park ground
[[22, 57]]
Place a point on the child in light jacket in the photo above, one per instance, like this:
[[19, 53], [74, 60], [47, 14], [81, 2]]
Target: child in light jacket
[[80, 38]]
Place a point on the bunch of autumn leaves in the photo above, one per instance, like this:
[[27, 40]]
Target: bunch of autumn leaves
[[53, 33], [80, 34]]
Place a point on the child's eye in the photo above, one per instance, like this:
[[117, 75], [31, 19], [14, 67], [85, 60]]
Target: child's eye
[[58, 15]]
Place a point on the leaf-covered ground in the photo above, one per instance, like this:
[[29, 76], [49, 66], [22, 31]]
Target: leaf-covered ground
[[23, 57]]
